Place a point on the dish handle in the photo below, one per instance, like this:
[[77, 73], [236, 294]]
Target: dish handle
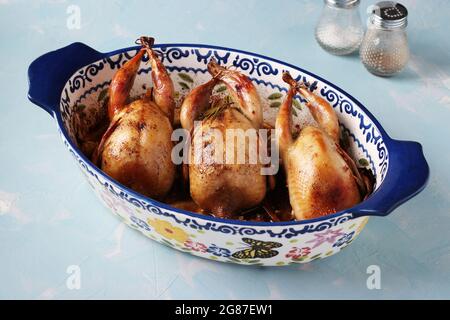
[[48, 74], [407, 175]]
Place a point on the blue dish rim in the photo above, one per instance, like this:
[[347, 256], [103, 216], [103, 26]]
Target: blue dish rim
[[386, 138]]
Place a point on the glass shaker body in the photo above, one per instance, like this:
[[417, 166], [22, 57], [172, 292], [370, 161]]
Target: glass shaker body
[[384, 50], [339, 30]]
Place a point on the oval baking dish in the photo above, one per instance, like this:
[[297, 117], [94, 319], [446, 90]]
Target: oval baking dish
[[77, 75]]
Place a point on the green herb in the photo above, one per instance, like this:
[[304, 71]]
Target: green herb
[[185, 77], [221, 88], [275, 96], [217, 107]]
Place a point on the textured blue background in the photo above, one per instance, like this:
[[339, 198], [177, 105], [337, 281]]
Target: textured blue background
[[49, 219]]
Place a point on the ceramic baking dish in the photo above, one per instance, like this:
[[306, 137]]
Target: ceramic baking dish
[[76, 75]]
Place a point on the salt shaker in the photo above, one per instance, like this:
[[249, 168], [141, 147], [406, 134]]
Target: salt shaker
[[339, 30], [384, 50]]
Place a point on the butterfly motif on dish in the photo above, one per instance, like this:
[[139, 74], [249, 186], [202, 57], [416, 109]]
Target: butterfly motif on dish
[[257, 249]]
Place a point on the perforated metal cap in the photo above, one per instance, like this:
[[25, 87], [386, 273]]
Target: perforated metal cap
[[343, 3], [389, 15]]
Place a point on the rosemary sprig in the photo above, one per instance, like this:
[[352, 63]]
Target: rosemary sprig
[[217, 107]]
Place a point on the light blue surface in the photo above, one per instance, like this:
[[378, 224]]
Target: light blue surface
[[49, 219]]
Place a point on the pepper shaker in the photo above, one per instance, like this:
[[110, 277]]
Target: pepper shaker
[[384, 50], [339, 30]]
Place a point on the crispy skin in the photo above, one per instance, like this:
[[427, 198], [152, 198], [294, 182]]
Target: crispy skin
[[320, 180], [137, 153], [136, 148], [321, 177], [121, 84], [217, 185], [163, 91], [323, 113], [195, 103], [224, 188]]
